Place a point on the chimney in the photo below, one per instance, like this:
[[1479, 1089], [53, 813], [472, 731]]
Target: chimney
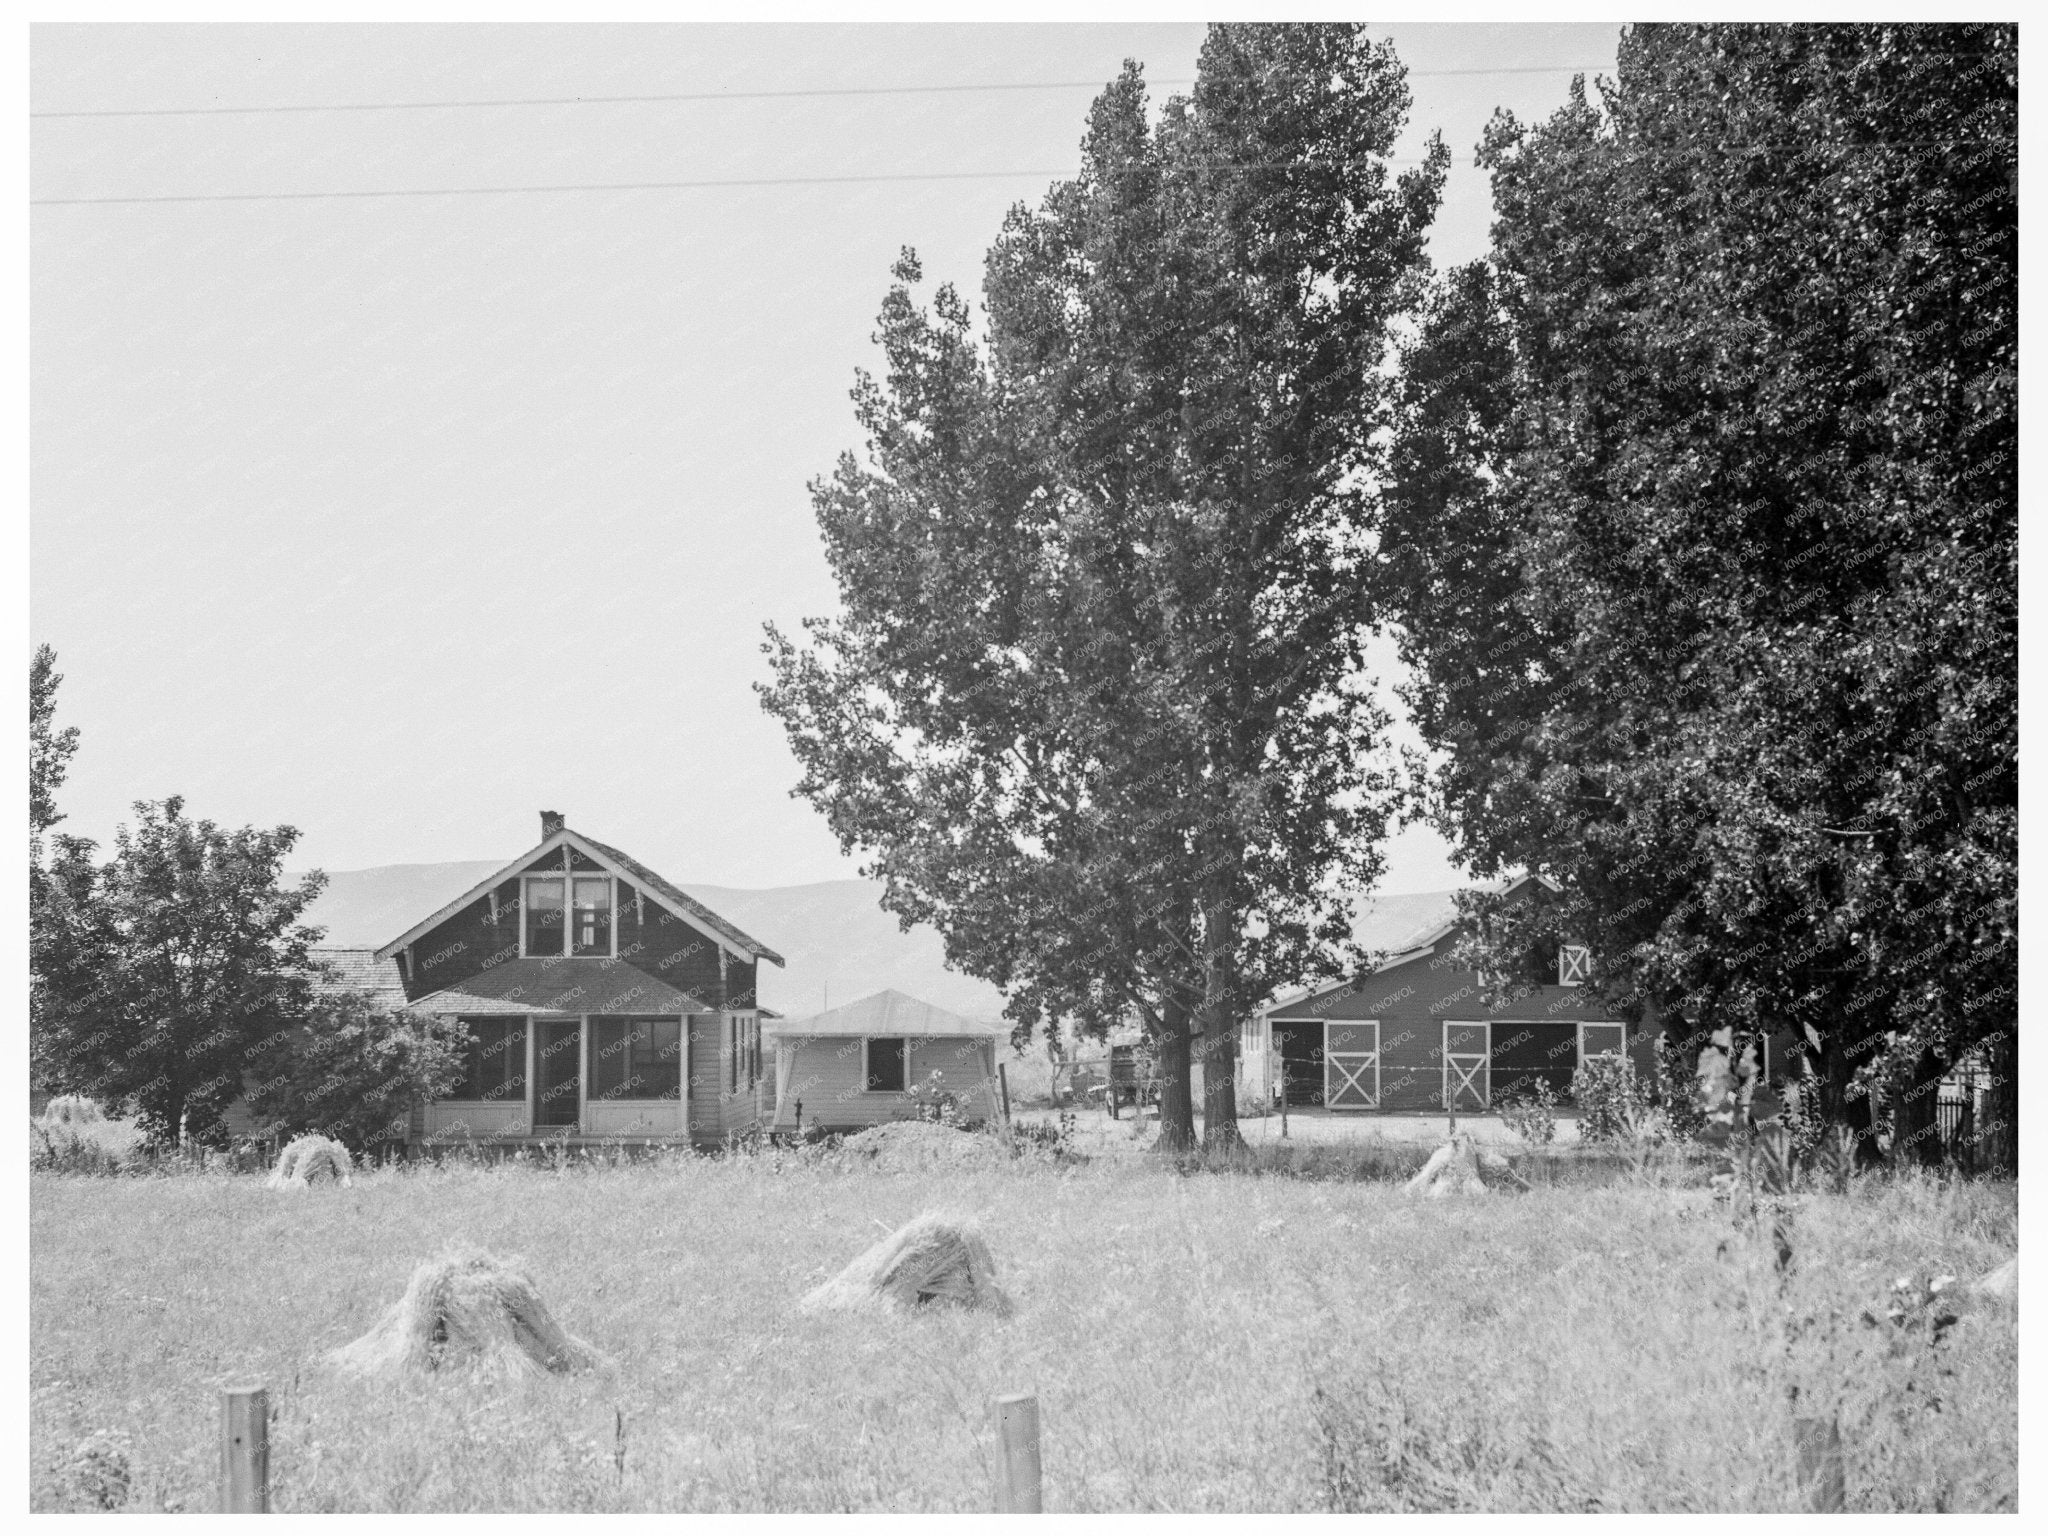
[[551, 822]]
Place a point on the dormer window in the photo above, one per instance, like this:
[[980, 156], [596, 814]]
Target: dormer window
[[1574, 965], [567, 915]]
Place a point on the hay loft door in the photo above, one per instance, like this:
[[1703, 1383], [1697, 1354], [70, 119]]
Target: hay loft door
[[558, 1074], [1467, 1075], [1351, 1064]]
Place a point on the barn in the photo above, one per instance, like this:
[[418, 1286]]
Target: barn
[[856, 1065], [1415, 1033]]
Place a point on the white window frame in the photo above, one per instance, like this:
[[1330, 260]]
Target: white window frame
[[1331, 1069], [1485, 1068], [526, 1022], [569, 877], [1574, 965], [867, 1076]]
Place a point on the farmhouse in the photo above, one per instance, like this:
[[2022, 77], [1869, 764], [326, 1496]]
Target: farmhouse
[[1415, 1033], [855, 1065], [602, 1001]]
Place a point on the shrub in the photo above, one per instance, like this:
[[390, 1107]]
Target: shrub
[[934, 1101], [97, 1472], [1531, 1113], [353, 1069], [1604, 1089], [1673, 1087]]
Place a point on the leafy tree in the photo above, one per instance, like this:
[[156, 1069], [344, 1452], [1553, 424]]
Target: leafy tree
[[1093, 701], [49, 757], [352, 1068], [49, 749], [161, 969], [1703, 506]]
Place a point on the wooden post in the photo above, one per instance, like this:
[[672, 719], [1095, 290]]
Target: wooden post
[[1003, 1079], [1821, 1477], [245, 1451], [1283, 1097], [1020, 1491]]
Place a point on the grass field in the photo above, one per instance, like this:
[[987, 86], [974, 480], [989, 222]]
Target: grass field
[[1205, 1342]]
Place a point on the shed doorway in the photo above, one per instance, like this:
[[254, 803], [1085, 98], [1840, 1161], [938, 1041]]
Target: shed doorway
[[1298, 1061]]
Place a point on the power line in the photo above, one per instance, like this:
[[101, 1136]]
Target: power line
[[613, 186], [593, 101], [1804, 146]]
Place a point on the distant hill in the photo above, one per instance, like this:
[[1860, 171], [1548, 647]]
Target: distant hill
[[834, 934]]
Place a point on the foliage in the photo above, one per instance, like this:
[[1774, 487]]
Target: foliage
[[1053, 1139], [1530, 1111], [1605, 1094], [1704, 516], [351, 1069], [49, 756], [49, 749], [160, 971], [1093, 706], [1673, 1087], [933, 1101]]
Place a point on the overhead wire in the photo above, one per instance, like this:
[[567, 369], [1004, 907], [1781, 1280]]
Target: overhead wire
[[819, 91]]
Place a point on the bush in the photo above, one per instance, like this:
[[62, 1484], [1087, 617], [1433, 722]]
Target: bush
[[934, 1101], [1673, 1087], [1531, 1113], [353, 1069], [1608, 1099]]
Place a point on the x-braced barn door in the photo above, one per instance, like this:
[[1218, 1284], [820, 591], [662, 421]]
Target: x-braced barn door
[[1467, 1079], [1351, 1064]]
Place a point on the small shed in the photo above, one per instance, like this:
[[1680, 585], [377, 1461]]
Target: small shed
[[856, 1065]]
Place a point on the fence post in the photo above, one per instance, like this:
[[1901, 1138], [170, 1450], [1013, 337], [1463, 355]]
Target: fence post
[[245, 1451], [1821, 1478], [1020, 1490], [1003, 1079], [1283, 1098]]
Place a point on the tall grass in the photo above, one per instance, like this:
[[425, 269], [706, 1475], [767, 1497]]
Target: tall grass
[[1224, 1342]]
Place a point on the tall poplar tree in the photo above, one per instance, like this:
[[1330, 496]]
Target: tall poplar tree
[[1093, 705], [1703, 510]]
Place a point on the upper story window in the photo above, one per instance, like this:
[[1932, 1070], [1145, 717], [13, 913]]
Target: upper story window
[[568, 915], [1574, 965]]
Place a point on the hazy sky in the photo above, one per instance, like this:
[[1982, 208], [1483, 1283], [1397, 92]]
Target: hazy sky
[[399, 519]]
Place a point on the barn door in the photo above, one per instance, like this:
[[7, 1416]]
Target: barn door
[[1351, 1064], [1596, 1039], [1467, 1079]]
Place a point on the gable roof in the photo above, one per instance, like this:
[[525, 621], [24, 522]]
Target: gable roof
[[686, 907], [884, 1013], [674, 897]]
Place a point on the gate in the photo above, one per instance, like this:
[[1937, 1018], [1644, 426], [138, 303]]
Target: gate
[[1467, 1076], [1351, 1064]]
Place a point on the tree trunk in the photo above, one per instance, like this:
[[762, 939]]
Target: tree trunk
[[1219, 1034], [1998, 1150], [1176, 1092], [1838, 1107], [1916, 1118]]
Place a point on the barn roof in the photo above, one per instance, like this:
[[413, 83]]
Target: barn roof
[[885, 1013], [561, 986], [1402, 927]]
